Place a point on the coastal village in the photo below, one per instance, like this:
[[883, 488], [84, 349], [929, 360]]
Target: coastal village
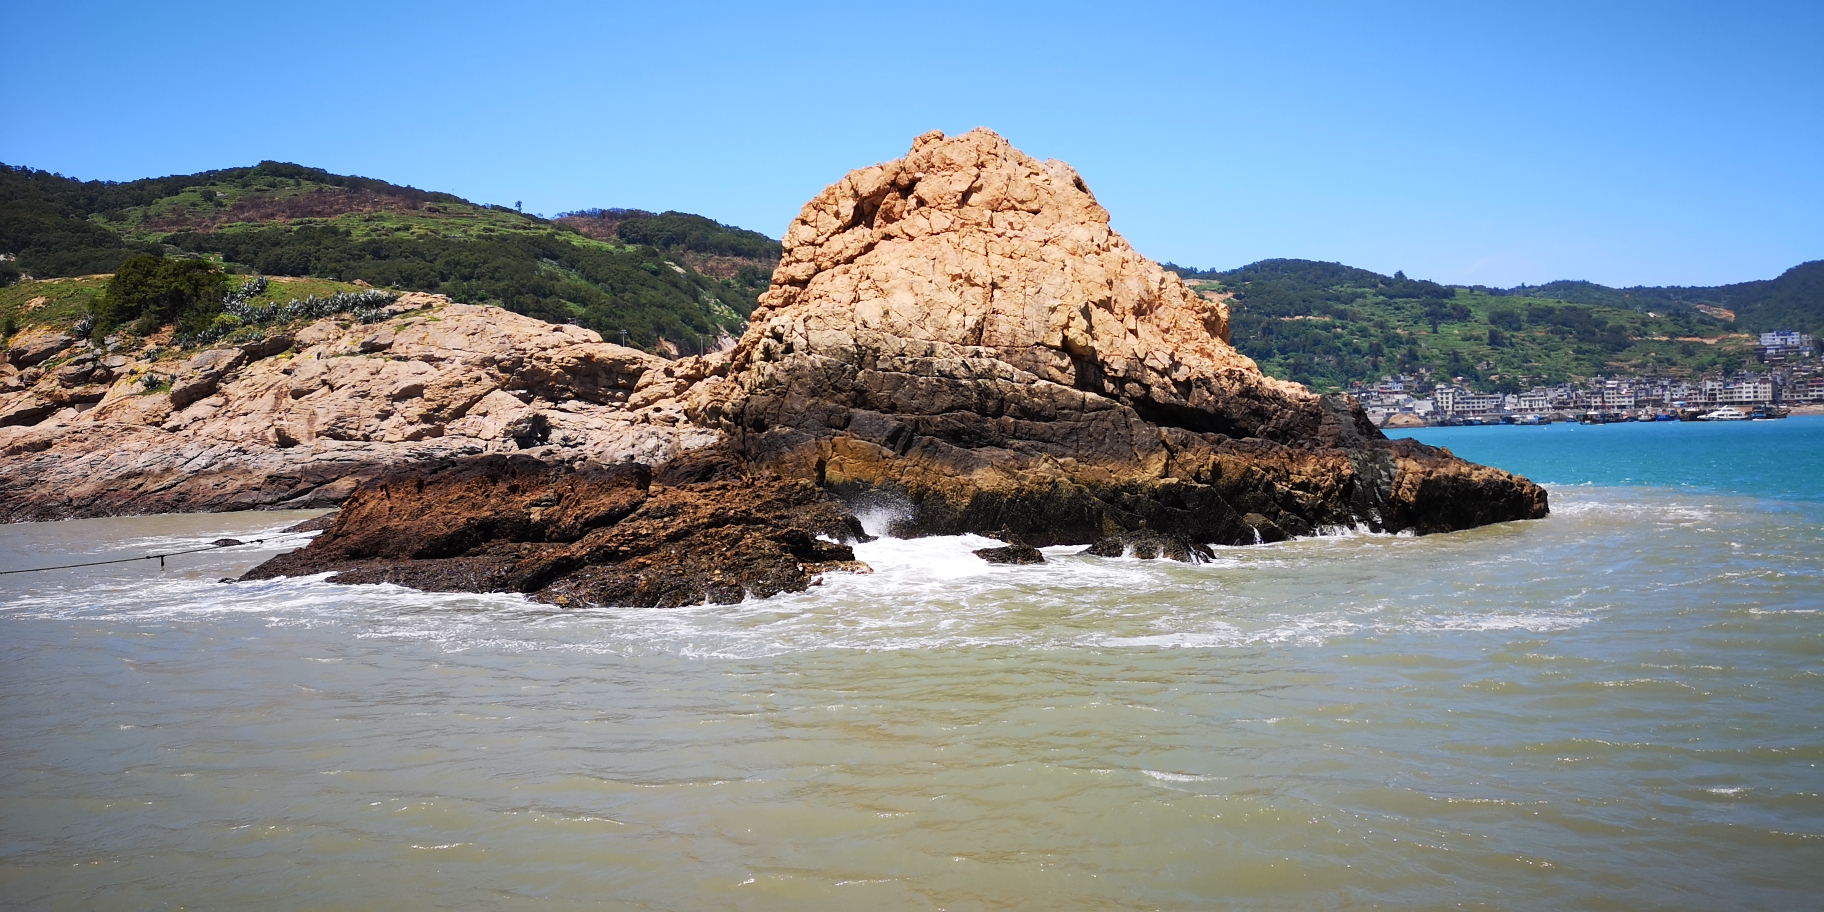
[[1790, 375]]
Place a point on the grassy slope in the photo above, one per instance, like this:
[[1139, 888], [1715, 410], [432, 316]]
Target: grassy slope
[[61, 302], [282, 219]]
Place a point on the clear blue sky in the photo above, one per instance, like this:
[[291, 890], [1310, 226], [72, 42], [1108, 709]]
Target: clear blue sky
[[1650, 143]]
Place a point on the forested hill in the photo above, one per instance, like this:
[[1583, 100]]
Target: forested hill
[[1328, 325], [1794, 300], [708, 246], [673, 277]]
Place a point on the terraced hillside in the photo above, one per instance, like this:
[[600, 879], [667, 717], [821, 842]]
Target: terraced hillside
[[669, 290]]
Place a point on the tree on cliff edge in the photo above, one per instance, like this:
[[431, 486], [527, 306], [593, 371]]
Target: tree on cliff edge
[[154, 291]]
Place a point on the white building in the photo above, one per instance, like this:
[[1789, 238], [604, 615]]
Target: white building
[[1752, 392], [1805, 389], [1615, 394], [1784, 344], [1446, 398], [1477, 403]]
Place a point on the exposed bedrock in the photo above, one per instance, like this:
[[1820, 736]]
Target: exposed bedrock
[[962, 329], [301, 417], [700, 528]]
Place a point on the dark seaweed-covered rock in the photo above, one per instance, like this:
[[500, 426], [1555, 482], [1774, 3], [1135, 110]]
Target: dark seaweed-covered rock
[[1011, 554], [314, 524], [700, 528], [1150, 545]]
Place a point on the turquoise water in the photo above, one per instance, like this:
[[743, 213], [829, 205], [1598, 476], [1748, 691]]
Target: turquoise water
[[1782, 460], [1620, 706]]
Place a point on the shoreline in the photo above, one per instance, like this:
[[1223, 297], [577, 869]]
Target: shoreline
[[1794, 411]]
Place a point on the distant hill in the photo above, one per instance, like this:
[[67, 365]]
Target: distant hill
[[1794, 300], [1328, 325], [708, 246], [670, 277]]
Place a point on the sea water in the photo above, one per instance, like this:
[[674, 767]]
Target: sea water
[[1618, 707]]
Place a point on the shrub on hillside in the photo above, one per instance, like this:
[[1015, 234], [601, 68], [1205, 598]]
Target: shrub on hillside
[[152, 291], [244, 319]]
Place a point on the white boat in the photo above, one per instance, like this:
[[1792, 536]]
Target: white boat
[[1726, 413]]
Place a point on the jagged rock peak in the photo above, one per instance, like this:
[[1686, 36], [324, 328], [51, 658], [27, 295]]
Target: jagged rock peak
[[961, 331], [968, 241]]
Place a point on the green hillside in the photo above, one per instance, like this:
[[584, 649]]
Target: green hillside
[[62, 302], [1794, 300], [1328, 325], [286, 220], [674, 277]]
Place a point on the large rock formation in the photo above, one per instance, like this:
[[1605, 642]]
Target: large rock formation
[[962, 329], [300, 419], [959, 331]]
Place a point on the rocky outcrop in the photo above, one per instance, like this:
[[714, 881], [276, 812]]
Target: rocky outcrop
[[1011, 554], [962, 328], [300, 418], [703, 528], [33, 346], [1145, 545]]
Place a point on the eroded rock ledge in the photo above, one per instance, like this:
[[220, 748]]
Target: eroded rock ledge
[[962, 328], [701, 528], [301, 418]]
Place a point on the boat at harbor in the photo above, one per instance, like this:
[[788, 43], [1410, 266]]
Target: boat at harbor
[[1726, 413]]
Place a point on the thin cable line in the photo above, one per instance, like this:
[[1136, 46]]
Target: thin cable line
[[157, 557]]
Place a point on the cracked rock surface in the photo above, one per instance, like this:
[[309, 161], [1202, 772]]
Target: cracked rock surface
[[962, 329], [703, 528], [300, 420]]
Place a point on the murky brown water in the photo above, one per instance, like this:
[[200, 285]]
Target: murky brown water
[[1617, 707]]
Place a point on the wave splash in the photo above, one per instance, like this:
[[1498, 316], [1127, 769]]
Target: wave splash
[[924, 594]]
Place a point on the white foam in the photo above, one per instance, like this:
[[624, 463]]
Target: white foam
[[1179, 777], [925, 593], [1535, 623]]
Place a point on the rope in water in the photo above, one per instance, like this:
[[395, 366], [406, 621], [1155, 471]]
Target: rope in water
[[224, 543]]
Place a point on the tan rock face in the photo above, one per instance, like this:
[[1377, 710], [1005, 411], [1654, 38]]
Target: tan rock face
[[962, 329], [302, 419], [35, 345], [969, 242]]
